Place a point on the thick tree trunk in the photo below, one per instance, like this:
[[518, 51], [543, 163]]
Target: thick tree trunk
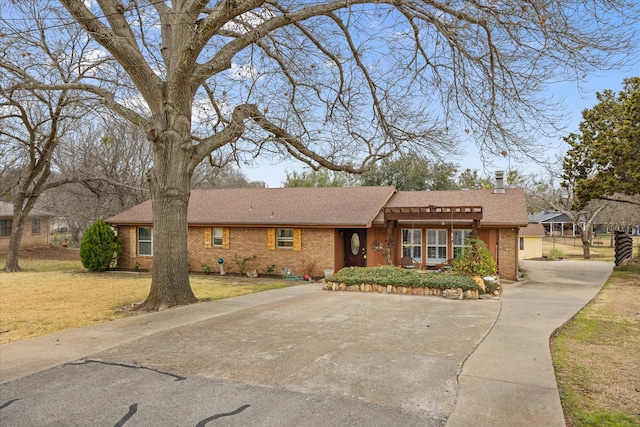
[[13, 251], [170, 272], [17, 229], [586, 254], [585, 237], [169, 182]]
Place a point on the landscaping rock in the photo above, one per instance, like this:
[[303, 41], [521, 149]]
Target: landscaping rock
[[456, 293], [479, 282]]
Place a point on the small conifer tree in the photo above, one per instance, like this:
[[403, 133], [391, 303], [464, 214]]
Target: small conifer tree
[[99, 247]]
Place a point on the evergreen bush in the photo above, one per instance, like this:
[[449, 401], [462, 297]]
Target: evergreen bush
[[99, 247]]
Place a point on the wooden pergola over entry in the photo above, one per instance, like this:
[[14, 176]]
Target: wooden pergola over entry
[[432, 213], [435, 213]]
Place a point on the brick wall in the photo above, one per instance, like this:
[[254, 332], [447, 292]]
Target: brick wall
[[128, 257], [29, 240], [320, 249], [315, 256], [508, 253]]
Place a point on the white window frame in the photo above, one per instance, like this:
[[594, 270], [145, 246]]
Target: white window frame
[[437, 241], [459, 240], [412, 243], [216, 236], [284, 238], [149, 241]]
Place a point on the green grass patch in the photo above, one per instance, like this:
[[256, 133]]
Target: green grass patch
[[607, 419]]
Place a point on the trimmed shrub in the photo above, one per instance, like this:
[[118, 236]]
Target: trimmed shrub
[[475, 260], [100, 247], [390, 275]]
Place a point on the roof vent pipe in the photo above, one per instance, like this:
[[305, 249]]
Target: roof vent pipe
[[499, 188]]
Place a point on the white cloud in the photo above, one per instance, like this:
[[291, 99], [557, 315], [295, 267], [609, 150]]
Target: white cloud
[[244, 72], [248, 21]]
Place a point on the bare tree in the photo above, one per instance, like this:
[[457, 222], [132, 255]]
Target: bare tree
[[107, 160], [620, 215], [218, 172], [546, 195], [33, 120], [335, 83], [111, 158]]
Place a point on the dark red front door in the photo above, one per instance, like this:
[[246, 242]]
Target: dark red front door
[[355, 248]]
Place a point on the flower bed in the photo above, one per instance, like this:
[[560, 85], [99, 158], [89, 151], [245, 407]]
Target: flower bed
[[403, 281]]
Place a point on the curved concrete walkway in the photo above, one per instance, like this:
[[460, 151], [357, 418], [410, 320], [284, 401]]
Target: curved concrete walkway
[[509, 379]]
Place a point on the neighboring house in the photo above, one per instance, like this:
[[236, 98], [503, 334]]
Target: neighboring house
[[555, 223], [311, 230], [530, 241], [559, 224], [36, 228]]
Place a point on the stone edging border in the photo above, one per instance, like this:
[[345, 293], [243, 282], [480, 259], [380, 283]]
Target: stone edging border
[[456, 293]]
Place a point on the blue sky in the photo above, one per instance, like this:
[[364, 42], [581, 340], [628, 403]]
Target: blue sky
[[577, 96]]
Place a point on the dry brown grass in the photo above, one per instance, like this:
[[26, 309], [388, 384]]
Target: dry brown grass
[[55, 293], [596, 356], [572, 247]]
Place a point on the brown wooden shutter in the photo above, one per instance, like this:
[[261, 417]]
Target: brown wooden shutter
[[207, 237], [225, 238], [297, 239], [271, 239]]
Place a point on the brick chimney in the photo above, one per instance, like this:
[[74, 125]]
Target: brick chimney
[[499, 188]]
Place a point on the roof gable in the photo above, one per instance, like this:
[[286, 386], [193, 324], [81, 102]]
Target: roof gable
[[508, 208]]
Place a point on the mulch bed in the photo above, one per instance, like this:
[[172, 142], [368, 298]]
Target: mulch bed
[[51, 252]]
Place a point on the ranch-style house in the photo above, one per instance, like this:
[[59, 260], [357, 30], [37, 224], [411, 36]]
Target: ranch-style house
[[312, 230]]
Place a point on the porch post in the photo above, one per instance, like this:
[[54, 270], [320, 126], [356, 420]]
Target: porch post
[[390, 256]]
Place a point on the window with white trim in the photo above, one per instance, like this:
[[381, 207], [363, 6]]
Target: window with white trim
[[145, 241], [284, 237], [216, 236], [459, 240], [412, 243], [437, 246]]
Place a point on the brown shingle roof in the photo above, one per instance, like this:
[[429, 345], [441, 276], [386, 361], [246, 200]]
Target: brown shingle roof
[[508, 208], [532, 230], [331, 206], [6, 210]]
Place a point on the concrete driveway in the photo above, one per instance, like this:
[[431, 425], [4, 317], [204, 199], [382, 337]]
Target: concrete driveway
[[296, 356]]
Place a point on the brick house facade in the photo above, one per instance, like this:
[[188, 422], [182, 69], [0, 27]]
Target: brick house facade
[[311, 230], [36, 228]]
